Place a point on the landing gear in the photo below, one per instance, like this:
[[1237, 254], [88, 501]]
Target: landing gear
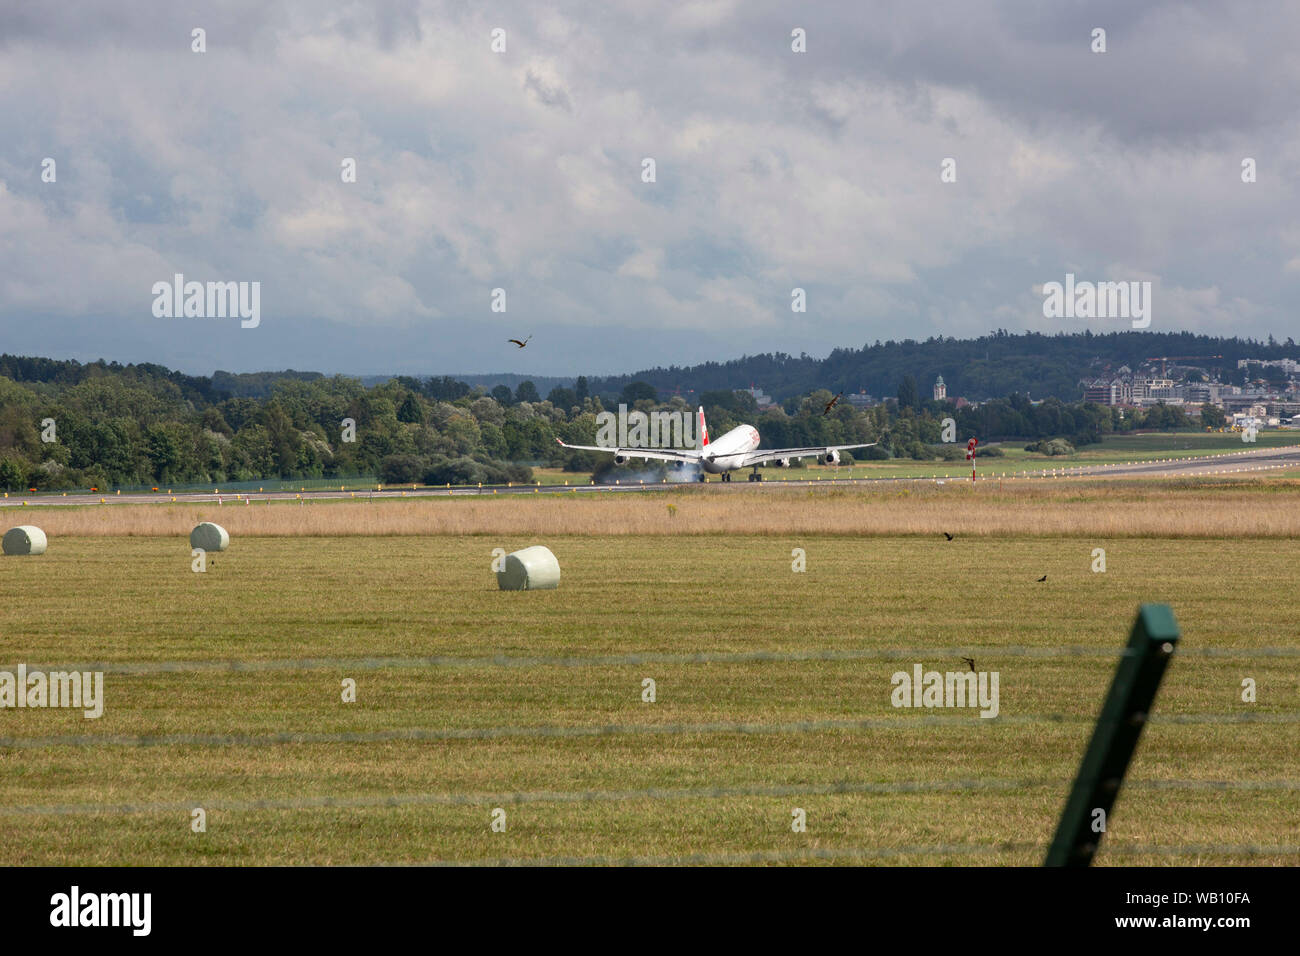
[[703, 477], [726, 476], [755, 476]]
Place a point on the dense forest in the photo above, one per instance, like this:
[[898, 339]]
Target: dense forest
[[66, 425]]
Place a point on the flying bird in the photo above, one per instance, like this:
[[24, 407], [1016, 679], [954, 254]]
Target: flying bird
[[1042, 579], [970, 661], [947, 535], [518, 343], [832, 403]]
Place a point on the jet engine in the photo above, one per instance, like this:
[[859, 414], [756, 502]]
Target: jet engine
[[832, 457]]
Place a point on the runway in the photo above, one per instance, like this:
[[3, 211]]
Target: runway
[[1255, 461]]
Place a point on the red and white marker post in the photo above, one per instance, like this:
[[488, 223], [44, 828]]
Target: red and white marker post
[[970, 455]]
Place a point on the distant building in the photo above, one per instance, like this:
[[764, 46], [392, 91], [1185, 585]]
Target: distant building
[[940, 389], [1290, 366], [762, 399], [860, 399], [1101, 391]]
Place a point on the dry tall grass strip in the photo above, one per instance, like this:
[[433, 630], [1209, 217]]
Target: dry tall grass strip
[[1111, 509]]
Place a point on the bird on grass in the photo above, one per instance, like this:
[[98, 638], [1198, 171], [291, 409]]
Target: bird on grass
[[519, 343], [947, 535], [970, 661], [1042, 579], [832, 403]]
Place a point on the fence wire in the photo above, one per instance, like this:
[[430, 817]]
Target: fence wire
[[502, 799], [834, 854], [622, 660], [420, 734]]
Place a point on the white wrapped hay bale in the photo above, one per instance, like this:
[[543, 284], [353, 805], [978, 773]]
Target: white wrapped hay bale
[[532, 569], [209, 537], [24, 539]]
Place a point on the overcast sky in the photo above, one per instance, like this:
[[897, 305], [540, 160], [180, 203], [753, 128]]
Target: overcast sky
[[522, 170]]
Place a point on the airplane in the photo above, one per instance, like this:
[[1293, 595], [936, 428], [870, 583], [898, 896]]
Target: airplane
[[734, 450]]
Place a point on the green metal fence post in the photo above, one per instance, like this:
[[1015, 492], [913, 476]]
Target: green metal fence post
[[1115, 737]]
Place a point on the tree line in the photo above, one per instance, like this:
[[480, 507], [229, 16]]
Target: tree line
[[65, 425]]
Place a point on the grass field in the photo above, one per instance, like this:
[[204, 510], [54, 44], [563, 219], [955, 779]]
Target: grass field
[[532, 715]]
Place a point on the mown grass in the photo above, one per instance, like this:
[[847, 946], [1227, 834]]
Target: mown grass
[[276, 598]]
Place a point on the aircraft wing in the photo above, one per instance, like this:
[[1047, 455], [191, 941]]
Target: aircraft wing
[[659, 454], [774, 454]]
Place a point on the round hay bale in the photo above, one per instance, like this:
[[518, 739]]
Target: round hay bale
[[532, 569], [24, 539], [209, 537]]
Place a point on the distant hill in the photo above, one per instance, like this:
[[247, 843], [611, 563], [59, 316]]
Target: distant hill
[[991, 366], [511, 380], [256, 384]]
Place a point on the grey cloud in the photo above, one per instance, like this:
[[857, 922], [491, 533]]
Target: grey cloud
[[774, 169]]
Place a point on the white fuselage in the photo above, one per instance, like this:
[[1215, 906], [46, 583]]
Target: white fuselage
[[727, 452]]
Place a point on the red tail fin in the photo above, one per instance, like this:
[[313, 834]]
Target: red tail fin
[[704, 429]]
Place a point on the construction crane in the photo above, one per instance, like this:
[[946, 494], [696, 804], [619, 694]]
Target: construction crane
[[1162, 359]]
